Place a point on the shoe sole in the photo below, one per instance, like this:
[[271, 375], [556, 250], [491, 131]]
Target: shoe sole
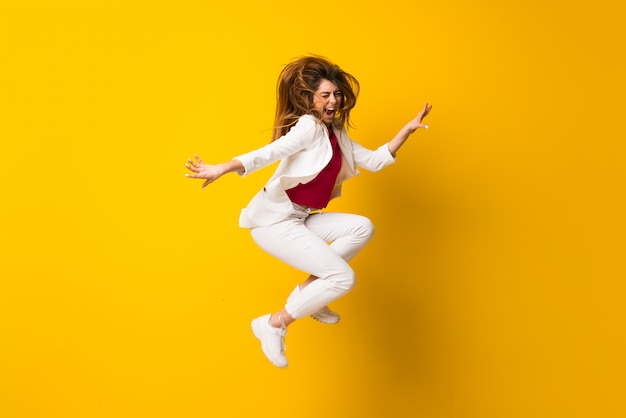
[[326, 321]]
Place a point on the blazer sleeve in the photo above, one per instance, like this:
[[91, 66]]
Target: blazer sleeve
[[372, 160], [298, 138]]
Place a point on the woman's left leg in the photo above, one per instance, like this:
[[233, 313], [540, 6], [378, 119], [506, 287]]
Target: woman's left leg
[[303, 244], [347, 235]]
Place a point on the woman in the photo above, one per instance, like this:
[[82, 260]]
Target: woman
[[314, 100]]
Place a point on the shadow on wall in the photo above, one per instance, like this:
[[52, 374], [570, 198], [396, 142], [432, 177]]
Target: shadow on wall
[[411, 291]]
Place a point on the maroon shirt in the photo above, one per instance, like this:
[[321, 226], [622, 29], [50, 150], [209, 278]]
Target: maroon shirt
[[316, 193]]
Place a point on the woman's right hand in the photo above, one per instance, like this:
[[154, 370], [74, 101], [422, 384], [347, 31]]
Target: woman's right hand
[[201, 170]]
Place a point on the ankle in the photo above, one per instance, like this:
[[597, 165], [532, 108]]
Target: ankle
[[273, 321], [277, 322]]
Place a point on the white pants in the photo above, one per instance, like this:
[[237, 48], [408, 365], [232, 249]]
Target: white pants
[[302, 241]]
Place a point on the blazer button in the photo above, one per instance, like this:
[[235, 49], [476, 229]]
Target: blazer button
[[264, 189]]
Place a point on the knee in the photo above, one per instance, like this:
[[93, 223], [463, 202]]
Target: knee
[[345, 281], [365, 229]]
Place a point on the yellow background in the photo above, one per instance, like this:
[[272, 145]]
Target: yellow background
[[494, 286]]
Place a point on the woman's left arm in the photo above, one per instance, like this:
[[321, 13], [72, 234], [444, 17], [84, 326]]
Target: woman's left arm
[[404, 133]]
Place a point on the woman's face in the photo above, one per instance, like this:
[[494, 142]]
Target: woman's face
[[327, 100]]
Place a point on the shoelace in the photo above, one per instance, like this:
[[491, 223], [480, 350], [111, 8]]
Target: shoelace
[[283, 346]]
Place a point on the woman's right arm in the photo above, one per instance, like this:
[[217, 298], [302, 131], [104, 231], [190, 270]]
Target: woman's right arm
[[298, 137], [210, 173]]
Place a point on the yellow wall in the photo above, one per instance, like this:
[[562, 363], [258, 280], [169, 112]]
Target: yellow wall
[[492, 288]]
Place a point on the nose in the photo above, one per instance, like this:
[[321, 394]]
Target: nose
[[332, 99]]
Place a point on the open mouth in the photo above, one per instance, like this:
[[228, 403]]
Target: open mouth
[[330, 112]]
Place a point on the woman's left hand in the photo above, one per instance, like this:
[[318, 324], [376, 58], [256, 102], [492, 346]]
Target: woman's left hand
[[416, 123]]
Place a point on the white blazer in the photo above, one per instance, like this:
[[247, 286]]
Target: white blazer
[[304, 151]]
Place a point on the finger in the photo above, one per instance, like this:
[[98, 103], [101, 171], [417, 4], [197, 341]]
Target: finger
[[198, 158], [206, 183]]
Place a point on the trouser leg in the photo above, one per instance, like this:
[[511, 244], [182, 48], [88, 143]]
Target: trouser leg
[[303, 244]]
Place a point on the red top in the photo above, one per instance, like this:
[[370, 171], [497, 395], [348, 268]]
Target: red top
[[316, 193]]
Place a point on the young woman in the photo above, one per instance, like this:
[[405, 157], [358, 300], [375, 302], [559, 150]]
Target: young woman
[[316, 154]]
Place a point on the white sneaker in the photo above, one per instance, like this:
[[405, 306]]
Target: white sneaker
[[272, 340], [323, 314], [326, 316]]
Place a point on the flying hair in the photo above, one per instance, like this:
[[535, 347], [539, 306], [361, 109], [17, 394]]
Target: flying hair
[[296, 87]]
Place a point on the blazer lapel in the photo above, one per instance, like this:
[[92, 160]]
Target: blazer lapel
[[346, 149]]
